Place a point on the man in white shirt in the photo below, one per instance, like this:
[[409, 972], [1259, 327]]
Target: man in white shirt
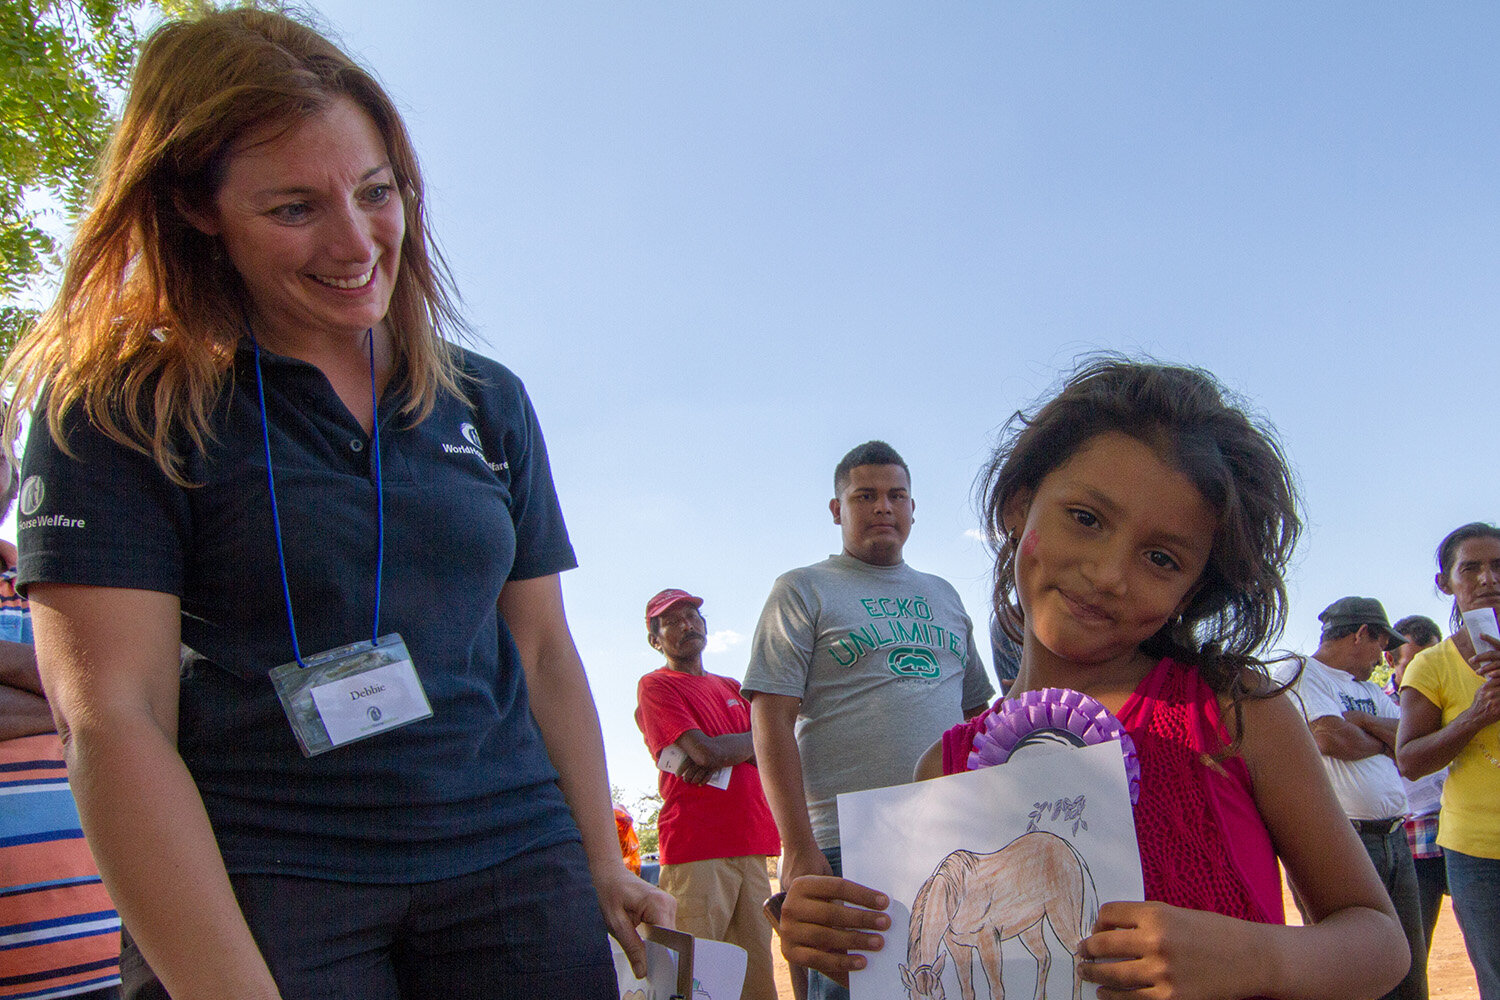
[[1354, 725]]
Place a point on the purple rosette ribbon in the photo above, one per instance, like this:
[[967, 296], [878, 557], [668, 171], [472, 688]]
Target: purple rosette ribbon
[[1051, 717]]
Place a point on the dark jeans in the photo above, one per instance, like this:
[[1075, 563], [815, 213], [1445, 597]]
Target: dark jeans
[[1474, 884], [529, 927], [819, 986], [1391, 855], [1432, 886]]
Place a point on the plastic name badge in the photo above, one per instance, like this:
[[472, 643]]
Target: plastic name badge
[[351, 693]]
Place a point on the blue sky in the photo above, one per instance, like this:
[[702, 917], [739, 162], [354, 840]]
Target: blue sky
[[724, 242]]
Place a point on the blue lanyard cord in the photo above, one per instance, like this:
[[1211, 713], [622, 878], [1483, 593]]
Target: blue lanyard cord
[[379, 490], [265, 433]]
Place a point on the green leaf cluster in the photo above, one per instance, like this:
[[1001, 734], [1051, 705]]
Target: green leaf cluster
[[63, 66]]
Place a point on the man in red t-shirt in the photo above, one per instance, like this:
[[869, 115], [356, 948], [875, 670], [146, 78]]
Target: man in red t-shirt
[[716, 829]]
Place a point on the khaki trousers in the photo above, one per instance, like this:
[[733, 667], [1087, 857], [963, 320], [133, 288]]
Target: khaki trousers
[[720, 899]]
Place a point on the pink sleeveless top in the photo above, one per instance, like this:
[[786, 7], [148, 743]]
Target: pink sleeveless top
[[1203, 844]]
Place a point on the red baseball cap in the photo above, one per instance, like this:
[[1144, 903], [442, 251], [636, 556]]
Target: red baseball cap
[[668, 598]]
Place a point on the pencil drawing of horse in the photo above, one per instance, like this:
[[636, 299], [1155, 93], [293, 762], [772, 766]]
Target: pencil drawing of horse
[[974, 902]]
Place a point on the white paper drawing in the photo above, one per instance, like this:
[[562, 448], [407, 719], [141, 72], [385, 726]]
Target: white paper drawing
[[718, 969], [994, 875], [661, 973], [974, 903]]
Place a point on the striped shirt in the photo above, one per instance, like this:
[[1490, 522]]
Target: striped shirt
[[59, 934]]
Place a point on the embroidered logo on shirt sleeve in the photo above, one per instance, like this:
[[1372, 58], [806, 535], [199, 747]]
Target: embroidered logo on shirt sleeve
[[33, 492]]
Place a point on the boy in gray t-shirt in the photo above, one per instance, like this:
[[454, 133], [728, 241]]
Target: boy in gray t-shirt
[[859, 664], [882, 659]]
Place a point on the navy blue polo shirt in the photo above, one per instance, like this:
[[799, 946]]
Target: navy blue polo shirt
[[469, 505]]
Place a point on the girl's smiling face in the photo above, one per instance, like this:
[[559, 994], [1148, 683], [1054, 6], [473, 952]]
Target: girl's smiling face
[[1112, 545]]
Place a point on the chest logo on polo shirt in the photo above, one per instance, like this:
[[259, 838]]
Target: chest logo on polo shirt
[[474, 447]]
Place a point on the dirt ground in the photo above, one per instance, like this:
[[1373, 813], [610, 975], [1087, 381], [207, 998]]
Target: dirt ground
[[1449, 975]]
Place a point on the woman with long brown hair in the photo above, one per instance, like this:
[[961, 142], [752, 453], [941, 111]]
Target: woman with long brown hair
[[293, 559]]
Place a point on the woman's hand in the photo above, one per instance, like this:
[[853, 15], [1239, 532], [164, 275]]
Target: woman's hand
[[626, 900], [1152, 950], [1486, 706], [564, 711], [819, 927], [1485, 661]]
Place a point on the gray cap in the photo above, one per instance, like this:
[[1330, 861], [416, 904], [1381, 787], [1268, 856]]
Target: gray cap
[[1361, 611]]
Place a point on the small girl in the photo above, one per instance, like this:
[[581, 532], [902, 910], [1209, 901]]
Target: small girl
[[1141, 526]]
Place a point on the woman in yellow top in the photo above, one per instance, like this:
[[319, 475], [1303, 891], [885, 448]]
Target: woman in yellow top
[[1450, 714]]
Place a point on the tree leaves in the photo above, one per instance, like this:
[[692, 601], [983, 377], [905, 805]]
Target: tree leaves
[[64, 66]]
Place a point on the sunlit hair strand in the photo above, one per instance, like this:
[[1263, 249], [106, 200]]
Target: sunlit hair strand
[[145, 326]]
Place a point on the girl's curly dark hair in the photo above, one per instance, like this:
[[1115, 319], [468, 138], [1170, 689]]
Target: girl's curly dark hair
[[1236, 463]]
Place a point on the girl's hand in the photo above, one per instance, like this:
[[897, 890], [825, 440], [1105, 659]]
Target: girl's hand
[[1152, 950], [818, 927]]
